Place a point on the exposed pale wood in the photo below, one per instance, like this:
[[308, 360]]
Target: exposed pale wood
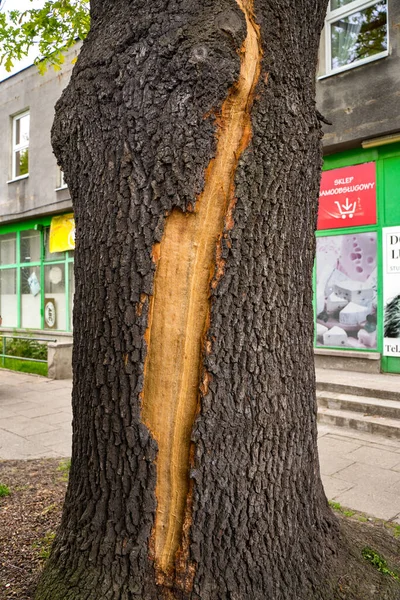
[[187, 261]]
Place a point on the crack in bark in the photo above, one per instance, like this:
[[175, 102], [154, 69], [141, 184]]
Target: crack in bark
[[188, 261]]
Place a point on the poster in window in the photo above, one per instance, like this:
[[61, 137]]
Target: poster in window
[[50, 315], [62, 233], [391, 291], [346, 291], [347, 197], [34, 285]]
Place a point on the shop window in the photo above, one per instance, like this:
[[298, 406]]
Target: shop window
[[54, 292], [36, 285], [30, 298], [30, 246], [346, 291], [20, 157], [8, 297], [355, 33], [8, 248]]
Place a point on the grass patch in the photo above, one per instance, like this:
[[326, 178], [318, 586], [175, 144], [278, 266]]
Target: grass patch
[[4, 490], [362, 519], [396, 531], [44, 545], [378, 562], [393, 528], [24, 366], [338, 508], [49, 508], [64, 468]]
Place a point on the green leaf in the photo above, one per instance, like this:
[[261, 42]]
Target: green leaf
[[52, 29]]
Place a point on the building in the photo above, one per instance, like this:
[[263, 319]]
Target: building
[[357, 274], [36, 220]]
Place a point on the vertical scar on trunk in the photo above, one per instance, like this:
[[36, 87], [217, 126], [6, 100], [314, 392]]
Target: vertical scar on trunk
[[180, 306]]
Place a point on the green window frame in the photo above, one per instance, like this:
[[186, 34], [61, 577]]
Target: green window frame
[[67, 262]]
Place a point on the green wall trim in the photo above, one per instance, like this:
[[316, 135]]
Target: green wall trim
[[346, 230], [11, 227], [359, 155]]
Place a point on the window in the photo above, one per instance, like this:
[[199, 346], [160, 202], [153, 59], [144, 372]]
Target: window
[[20, 153], [31, 277], [61, 184], [346, 291], [355, 33]]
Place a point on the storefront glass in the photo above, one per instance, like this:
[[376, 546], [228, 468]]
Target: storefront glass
[[8, 297], [8, 249], [30, 246], [346, 290], [54, 282], [30, 297]]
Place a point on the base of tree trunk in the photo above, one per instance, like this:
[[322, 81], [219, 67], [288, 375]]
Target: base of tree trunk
[[349, 577]]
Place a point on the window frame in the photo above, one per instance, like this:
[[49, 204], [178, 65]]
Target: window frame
[[345, 11], [18, 147]]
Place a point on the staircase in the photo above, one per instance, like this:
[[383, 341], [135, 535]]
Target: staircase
[[364, 402]]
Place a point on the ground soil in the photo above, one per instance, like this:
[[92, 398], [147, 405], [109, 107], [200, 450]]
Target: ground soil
[[30, 515], [353, 576]]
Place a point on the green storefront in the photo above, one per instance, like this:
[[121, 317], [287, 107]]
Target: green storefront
[[36, 274], [357, 272]]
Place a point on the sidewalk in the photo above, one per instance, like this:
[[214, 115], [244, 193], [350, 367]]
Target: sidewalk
[[360, 471], [35, 416]]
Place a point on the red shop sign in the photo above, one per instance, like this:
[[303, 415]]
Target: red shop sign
[[348, 197]]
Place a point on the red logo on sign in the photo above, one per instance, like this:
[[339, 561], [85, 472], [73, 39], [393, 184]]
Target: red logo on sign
[[348, 197]]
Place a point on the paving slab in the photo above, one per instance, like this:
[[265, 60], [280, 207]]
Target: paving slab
[[331, 463], [14, 447], [24, 426], [35, 416], [361, 438], [57, 418], [367, 477], [373, 456], [329, 444], [333, 487], [39, 410], [55, 441], [382, 505]]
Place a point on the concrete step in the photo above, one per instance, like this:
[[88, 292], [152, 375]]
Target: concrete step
[[367, 405], [359, 389], [357, 421], [383, 385]]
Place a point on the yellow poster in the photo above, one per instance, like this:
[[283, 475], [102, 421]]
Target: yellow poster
[[62, 233]]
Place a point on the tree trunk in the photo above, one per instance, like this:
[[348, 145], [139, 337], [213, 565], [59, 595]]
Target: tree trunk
[[191, 146]]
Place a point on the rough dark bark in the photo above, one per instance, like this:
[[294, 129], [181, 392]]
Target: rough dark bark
[[136, 133]]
